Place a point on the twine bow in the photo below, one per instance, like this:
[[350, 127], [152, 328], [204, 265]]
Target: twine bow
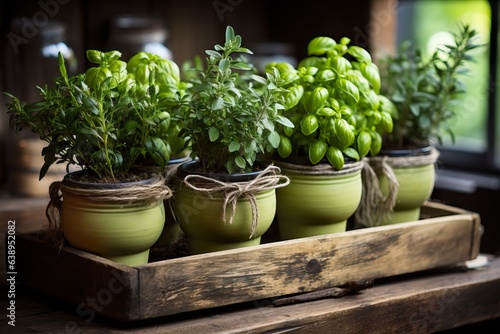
[[269, 178]]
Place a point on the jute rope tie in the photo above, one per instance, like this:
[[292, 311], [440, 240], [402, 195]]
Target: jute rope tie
[[375, 206], [269, 178], [321, 169], [151, 193]]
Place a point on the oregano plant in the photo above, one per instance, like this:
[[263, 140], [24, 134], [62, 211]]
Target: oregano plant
[[229, 112], [107, 119]]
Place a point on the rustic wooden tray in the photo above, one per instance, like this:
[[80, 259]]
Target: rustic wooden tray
[[443, 236]]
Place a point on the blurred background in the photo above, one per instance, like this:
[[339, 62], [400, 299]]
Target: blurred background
[[34, 31]]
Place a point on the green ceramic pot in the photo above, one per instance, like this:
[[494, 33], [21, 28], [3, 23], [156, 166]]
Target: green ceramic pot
[[200, 215], [122, 233], [416, 183], [317, 204]]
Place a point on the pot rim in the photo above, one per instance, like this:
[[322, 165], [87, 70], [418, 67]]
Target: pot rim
[[185, 169], [425, 150], [70, 181]]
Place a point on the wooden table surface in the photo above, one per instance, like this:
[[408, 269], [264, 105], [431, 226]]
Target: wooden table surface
[[424, 302]]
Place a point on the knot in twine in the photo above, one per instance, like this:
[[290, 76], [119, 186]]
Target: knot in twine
[[375, 207], [145, 193], [269, 178]]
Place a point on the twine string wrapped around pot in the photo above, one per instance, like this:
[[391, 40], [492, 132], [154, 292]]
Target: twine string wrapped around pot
[[144, 193], [269, 178], [321, 169], [375, 207]]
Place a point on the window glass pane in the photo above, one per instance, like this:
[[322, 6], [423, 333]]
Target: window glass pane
[[429, 24]]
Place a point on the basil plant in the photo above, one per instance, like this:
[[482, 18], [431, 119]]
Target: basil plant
[[334, 103]]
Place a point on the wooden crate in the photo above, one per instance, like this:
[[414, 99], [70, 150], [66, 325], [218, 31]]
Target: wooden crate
[[444, 236]]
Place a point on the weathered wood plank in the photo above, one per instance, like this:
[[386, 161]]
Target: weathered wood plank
[[266, 271], [426, 303], [94, 285], [301, 265]]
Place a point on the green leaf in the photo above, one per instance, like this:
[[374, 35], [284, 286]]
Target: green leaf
[[360, 54], [95, 76], [241, 66], [317, 151], [240, 162], [218, 103], [371, 73], [386, 122], [309, 124], [285, 146], [293, 96], [285, 122], [351, 153], [326, 112], [91, 104], [88, 131], [94, 56], [213, 134], [274, 139], [364, 143], [229, 34], [158, 150], [376, 145], [224, 65], [214, 54], [335, 157], [320, 45], [340, 64], [316, 99], [62, 66], [348, 88], [325, 75], [234, 146], [344, 132], [259, 79], [249, 146]]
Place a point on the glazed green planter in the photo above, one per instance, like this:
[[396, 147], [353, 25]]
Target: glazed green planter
[[416, 183], [415, 188], [317, 204], [200, 216], [122, 233]]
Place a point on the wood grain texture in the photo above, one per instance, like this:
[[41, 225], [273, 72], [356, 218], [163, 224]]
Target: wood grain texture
[[270, 270], [426, 302], [94, 285]]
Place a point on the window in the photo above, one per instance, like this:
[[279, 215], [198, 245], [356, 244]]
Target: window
[[428, 25]]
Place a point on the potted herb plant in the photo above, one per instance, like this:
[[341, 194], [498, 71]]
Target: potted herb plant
[[225, 197], [339, 117], [167, 77], [424, 95], [106, 121]]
